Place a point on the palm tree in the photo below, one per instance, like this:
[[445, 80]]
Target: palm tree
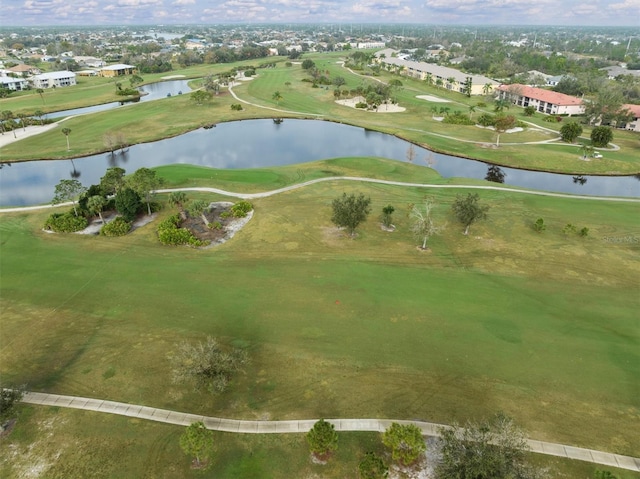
[[450, 82], [66, 132], [39, 114], [501, 104], [277, 97], [23, 117], [40, 92], [439, 82], [428, 79], [586, 150], [178, 199], [95, 205], [472, 110], [486, 89], [7, 115]]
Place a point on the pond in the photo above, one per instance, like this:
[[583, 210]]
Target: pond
[[262, 143], [152, 91]]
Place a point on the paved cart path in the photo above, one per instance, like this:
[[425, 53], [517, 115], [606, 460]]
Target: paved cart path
[[303, 426], [265, 194]]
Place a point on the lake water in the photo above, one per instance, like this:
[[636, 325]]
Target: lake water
[[262, 143], [152, 91]]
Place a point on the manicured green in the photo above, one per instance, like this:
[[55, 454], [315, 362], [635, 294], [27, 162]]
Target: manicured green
[[541, 325], [298, 99]]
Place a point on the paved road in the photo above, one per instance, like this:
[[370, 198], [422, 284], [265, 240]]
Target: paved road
[[303, 426]]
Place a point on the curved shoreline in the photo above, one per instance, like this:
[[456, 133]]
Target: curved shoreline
[[266, 194], [8, 139]]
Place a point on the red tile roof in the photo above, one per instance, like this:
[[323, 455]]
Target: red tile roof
[[541, 94], [635, 109]]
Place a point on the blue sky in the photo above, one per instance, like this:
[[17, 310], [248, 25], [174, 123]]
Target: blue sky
[[466, 12]]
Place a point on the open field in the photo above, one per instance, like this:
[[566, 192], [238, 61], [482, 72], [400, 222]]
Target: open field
[[543, 326], [172, 116]]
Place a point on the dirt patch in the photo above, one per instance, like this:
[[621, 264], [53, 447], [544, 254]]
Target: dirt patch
[[216, 215]]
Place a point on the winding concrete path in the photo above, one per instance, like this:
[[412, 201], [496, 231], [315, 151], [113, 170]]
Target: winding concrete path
[[265, 194], [304, 425]]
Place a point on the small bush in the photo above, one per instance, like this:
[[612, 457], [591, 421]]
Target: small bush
[[65, 223], [361, 104], [118, 227], [486, 120], [236, 107], [169, 233], [225, 214], [458, 118], [216, 225], [539, 225], [584, 232], [568, 229], [240, 209], [128, 92]]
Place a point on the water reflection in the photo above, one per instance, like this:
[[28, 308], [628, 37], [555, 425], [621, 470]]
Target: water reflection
[[261, 143], [579, 180], [495, 174], [75, 173]]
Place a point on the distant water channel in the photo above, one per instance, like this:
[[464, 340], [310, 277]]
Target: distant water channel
[[262, 143], [152, 91]]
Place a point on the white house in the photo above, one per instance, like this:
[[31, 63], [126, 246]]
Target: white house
[[13, 83], [544, 101], [54, 79]]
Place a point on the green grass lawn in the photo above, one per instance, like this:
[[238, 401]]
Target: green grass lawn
[[173, 116], [543, 326]]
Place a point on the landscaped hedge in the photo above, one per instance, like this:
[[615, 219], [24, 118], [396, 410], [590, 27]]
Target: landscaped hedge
[[118, 227], [65, 223], [169, 233]]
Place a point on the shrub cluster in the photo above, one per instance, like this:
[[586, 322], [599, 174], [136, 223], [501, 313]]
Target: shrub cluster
[[118, 227], [240, 209], [486, 120], [65, 223], [128, 92], [458, 118], [170, 233], [236, 107]]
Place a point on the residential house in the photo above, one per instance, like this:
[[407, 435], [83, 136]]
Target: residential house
[[544, 101], [13, 83], [24, 70], [633, 125], [91, 62], [616, 71], [118, 70], [54, 79], [448, 78]]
